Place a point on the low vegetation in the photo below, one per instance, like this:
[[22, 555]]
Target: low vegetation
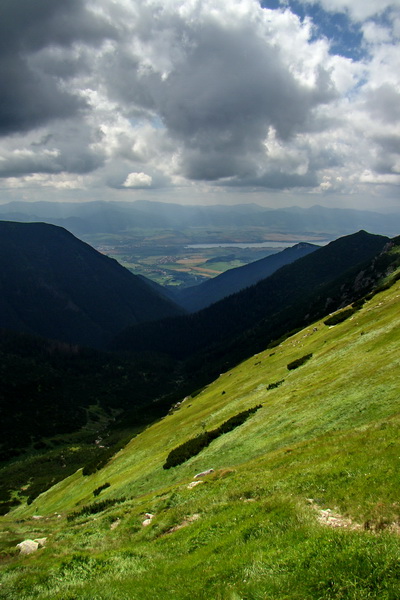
[[302, 503], [340, 316], [275, 384], [98, 490], [295, 364], [195, 445], [95, 508]]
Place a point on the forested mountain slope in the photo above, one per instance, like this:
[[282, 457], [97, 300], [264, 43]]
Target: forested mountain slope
[[200, 296], [56, 286]]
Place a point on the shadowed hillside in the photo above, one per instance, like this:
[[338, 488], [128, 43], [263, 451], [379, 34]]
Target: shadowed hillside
[[271, 307], [200, 296], [56, 286]]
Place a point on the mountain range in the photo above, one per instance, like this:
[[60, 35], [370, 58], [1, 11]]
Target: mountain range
[[55, 286], [114, 217]]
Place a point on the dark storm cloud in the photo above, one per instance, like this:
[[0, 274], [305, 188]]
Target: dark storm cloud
[[29, 26], [167, 93], [222, 92], [16, 165], [68, 150], [388, 149], [31, 96], [30, 99]]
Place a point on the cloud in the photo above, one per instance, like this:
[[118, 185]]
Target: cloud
[[383, 103], [33, 95], [236, 72], [206, 94], [73, 148], [137, 180]]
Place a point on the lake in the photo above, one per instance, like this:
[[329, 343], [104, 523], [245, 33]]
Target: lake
[[273, 244]]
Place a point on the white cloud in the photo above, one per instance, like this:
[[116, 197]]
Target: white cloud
[[137, 180]]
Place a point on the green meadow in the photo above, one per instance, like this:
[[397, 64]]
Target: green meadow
[[303, 501]]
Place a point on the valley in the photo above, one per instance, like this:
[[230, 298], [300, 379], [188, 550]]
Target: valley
[[254, 442], [199, 300], [183, 258], [301, 501]]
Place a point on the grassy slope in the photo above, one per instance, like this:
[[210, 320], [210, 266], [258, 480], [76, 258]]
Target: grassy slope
[[329, 432]]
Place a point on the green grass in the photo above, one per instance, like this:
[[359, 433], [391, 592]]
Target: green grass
[[325, 438]]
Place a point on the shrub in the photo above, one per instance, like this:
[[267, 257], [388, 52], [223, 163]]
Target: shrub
[[298, 362], [97, 491], [191, 447], [272, 386], [359, 303], [340, 316], [6, 506], [96, 507]]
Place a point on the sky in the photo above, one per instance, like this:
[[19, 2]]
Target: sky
[[279, 102]]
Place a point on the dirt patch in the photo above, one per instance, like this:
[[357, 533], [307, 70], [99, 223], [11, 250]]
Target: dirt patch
[[184, 523], [333, 519], [330, 518]]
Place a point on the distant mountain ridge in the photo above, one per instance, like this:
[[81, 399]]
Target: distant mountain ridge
[[56, 286], [113, 217], [197, 297]]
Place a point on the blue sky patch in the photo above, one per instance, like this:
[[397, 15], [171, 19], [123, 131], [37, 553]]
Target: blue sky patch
[[344, 35]]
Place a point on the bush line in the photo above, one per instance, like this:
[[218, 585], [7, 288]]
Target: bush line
[[341, 316], [96, 507], [298, 362], [191, 447]]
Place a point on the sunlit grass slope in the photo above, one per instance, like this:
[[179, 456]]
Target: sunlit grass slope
[[325, 437]]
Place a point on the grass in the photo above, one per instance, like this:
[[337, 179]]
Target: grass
[[325, 438]]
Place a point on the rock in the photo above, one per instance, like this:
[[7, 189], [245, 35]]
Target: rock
[[203, 474], [37, 517], [148, 519], [115, 524], [27, 547], [193, 484]]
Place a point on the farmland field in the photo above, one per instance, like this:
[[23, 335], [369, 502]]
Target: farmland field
[[188, 257]]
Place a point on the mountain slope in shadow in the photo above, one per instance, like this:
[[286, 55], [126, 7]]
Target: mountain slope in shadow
[[197, 297], [56, 286], [288, 292]]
